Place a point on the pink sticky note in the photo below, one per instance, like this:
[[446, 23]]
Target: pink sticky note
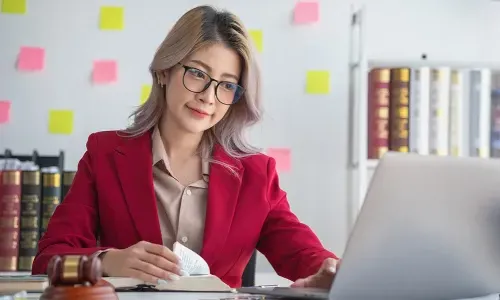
[[31, 59], [306, 12], [282, 157], [105, 71], [4, 112]]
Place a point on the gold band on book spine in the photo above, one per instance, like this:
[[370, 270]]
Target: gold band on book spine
[[68, 177], [9, 222], [401, 74], [52, 179], [455, 77], [31, 177], [382, 75], [30, 222], [26, 262], [8, 263], [11, 177]]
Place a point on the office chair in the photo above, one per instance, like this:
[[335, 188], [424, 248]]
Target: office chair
[[248, 278]]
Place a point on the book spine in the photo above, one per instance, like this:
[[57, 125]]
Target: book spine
[[399, 110], [378, 113], [51, 196], [30, 218], [415, 113], [10, 207], [439, 112], [474, 112], [495, 116], [455, 124], [68, 177]]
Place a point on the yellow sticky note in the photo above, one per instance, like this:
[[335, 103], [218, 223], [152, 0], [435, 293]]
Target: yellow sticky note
[[111, 18], [318, 82], [13, 6], [61, 121], [145, 91], [257, 37]]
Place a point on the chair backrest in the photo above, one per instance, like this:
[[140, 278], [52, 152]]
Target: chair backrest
[[248, 278]]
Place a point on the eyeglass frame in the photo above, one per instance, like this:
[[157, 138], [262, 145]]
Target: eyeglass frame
[[186, 68]]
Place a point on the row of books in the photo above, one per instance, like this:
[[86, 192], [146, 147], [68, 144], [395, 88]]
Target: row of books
[[442, 111], [28, 197]]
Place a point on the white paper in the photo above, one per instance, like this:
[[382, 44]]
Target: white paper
[[191, 262]]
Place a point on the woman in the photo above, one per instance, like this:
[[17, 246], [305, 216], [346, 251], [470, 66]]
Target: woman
[[183, 172]]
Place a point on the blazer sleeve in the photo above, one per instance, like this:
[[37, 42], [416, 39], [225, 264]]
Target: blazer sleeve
[[72, 228], [291, 247]]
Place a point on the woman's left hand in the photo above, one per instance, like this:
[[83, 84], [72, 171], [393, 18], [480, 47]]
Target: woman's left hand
[[323, 278]]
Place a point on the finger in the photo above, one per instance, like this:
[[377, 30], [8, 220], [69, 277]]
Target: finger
[[303, 282], [153, 270], [299, 283], [329, 266], [161, 251], [161, 262]]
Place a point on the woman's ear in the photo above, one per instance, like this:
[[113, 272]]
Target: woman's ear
[[162, 78]]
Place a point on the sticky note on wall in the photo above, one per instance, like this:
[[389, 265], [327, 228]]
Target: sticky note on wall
[[13, 6], [318, 82], [31, 59], [283, 158], [105, 71], [111, 18], [257, 38], [61, 121], [145, 91], [306, 12], [4, 111]]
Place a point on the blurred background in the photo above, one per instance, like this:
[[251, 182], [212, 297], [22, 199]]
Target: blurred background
[[343, 82]]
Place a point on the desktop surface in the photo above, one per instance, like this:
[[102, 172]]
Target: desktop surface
[[210, 296]]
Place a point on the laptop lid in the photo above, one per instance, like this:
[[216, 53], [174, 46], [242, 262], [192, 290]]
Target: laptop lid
[[429, 229]]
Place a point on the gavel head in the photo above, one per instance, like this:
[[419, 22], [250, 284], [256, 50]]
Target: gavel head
[[74, 270]]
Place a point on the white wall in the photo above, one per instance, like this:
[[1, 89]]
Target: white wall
[[314, 127]]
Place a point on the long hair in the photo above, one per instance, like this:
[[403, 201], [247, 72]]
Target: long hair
[[198, 28]]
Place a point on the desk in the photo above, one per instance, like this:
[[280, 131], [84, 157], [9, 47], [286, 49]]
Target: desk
[[203, 296], [165, 295]]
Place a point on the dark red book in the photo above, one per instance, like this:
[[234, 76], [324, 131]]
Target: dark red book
[[10, 209]]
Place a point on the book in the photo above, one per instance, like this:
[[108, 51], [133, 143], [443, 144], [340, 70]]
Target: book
[[196, 276], [399, 109], [31, 200], [10, 207], [29, 283], [378, 112]]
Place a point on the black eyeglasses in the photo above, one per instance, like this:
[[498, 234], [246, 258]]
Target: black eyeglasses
[[197, 81]]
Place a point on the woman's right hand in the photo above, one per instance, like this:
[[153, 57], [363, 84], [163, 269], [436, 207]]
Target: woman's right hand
[[145, 261]]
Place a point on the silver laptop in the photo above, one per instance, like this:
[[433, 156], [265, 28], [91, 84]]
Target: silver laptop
[[429, 229]]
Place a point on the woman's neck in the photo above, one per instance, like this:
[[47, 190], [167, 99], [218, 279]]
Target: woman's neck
[[178, 143]]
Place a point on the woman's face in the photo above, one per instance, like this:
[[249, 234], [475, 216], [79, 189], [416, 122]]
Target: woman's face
[[196, 112]]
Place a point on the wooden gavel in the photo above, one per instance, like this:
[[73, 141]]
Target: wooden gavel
[[77, 277], [73, 270]]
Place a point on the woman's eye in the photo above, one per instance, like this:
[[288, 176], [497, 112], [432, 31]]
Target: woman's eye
[[197, 73], [229, 86]]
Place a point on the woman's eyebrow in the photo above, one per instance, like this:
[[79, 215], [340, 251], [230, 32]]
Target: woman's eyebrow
[[208, 68]]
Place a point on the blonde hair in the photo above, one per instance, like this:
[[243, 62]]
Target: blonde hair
[[198, 28]]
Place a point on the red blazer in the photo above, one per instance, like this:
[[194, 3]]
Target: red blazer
[[112, 197]]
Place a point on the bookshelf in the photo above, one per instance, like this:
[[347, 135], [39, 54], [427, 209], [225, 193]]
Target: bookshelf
[[449, 109]]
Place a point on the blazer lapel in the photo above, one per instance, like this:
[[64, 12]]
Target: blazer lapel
[[133, 160], [223, 190]]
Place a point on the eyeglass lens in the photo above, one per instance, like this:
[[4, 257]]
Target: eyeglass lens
[[197, 81]]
